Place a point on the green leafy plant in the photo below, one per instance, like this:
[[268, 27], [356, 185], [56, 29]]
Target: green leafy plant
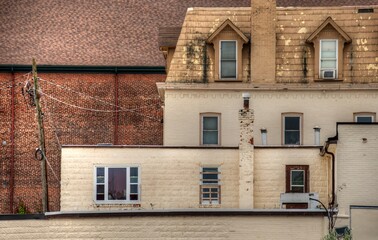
[[22, 209], [333, 236]]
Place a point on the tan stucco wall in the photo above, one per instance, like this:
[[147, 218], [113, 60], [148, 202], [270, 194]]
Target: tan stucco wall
[[269, 173], [168, 227], [319, 108], [170, 178], [357, 166]]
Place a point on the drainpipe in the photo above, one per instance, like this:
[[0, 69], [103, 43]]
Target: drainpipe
[[116, 114], [333, 171], [13, 119]]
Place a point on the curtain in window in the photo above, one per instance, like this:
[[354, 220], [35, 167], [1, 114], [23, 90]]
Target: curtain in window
[[117, 183]]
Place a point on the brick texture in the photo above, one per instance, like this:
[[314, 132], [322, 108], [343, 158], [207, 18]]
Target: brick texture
[[141, 125]]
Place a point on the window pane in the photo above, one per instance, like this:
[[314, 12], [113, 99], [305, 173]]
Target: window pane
[[134, 197], [328, 64], [117, 183], [228, 69], [210, 123], [292, 123], [228, 50], [210, 137], [100, 192], [297, 177], [328, 46], [209, 169], [366, 119], [133, 188], [134, 172], [292, 137], [100, 176]]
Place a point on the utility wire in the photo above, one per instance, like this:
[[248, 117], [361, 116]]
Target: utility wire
[[88, 96], [97, 110], [51, 122]]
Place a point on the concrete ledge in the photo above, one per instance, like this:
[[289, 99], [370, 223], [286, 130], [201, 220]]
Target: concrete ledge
[[190, 212]]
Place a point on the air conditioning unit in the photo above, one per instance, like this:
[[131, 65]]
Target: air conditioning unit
[[286, 198], [329, 74]]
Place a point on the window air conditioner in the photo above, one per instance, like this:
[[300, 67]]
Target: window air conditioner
[[329, 74]]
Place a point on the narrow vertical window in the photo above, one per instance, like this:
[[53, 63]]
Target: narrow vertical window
[[210, 187], [292, 129], [228, 60], [210, 129], [328, 59]]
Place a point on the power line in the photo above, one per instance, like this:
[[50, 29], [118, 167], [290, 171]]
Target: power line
[[88, 96], [97, 110]]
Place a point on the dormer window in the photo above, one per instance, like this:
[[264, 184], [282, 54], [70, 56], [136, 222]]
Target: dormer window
[[229, 52], [328, 41], [328, 59], [228, 60]]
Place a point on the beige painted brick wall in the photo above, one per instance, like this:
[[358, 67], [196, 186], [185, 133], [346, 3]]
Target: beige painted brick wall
[[170, 178], [319, 108], [269, 173], [168, 227], [357, 166]]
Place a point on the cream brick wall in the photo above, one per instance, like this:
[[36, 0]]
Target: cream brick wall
[[269, 173], [168, 227], [319, 108], [169, 177], [357, 166]]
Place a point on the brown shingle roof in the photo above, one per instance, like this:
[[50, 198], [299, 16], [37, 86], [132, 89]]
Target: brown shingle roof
[[97, 32]]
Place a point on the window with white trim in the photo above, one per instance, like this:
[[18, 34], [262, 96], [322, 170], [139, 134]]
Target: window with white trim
[[210, 186], [116, 184], [328, 59], [292, 125], [228, 62], [364, 117], [210, 129]]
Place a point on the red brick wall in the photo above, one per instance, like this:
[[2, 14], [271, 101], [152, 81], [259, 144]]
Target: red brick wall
[[139, 123]]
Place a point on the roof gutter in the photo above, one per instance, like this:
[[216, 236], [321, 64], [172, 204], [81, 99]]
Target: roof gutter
[[85, 69]]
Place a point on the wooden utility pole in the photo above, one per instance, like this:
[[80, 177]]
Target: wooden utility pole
[[41, 134]]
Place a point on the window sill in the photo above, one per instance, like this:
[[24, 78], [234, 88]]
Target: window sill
[[210, 205], [228, 80], [118, 203], [329, 80]]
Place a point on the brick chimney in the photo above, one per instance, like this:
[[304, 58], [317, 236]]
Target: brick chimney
[[263, 41], [246, 156]]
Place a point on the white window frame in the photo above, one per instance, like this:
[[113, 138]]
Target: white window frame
[[106, 191], [218, 115], [367, 114], [216, 185], [220, 59], [300, 116], [304, 179], [320, 58]]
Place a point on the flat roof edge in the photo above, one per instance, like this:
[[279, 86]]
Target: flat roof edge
[[191, 212]]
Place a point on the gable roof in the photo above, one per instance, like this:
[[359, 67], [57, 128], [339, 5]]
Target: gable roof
[[226, 23], [329, 21]]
